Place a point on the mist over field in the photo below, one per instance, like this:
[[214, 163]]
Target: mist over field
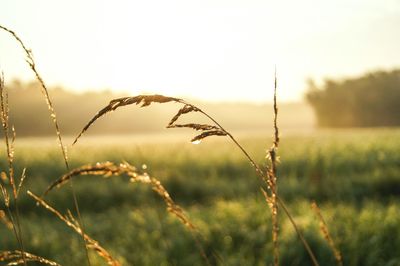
[[74, 110]]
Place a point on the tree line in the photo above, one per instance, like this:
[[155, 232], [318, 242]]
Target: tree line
[[370, 100]]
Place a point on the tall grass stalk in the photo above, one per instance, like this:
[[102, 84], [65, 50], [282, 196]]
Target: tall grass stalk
[[14, 217], [272, 154], [31, 62]]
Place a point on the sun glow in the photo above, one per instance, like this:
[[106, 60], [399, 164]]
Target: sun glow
[[214, 50]]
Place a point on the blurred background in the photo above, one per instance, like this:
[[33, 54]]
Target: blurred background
[[338, 70]]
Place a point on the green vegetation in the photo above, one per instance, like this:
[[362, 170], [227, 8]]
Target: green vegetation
[[354, 175], [367, 101]]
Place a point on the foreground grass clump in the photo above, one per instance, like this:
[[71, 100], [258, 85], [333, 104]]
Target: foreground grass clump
[[352, 174]]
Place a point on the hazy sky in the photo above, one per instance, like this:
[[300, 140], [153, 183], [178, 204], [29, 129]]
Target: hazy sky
[[210, 49]]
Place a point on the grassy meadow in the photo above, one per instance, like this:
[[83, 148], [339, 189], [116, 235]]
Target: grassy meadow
[[353, 175]]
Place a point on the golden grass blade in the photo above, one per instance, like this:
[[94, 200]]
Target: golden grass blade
[[16, 258], [143, 100], [187, 108], [108, 169], [171, 206], [298, 231], [198, 127], [207, 134], [146, 100], [272, 179], [71, 222], [103, 169]]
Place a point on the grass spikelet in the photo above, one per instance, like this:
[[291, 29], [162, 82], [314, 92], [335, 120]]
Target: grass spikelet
[[326, 234], [16, 258], [207, 134], [272, 180], [108, 169], [70, 221], [104, 169], [142, 100], [146, 100], [209, 130], [187, 108], [198, 127]]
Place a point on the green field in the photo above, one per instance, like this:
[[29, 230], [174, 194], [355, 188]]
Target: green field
[[354, 175]]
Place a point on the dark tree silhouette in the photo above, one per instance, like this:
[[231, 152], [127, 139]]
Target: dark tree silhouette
[[368, 101]]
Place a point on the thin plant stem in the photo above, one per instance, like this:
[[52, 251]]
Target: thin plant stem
[[10, 151], [31, 62], [299, 233], [273, 180], [327, 235], [71, 222]]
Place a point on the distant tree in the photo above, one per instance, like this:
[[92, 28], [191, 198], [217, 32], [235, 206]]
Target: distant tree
[[367, 101]]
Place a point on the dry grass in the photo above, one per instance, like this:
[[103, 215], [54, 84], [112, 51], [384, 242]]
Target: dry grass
[[4, 114], [268, 176], [31, 62], [17, 257], [272, 178], [9, 178], [8, 181], [108, 169]]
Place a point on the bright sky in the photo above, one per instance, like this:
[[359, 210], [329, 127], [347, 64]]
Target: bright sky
[[208, 49]]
